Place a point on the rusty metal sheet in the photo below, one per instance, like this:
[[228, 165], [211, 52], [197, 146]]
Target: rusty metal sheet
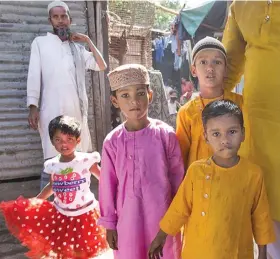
[[20, 22]]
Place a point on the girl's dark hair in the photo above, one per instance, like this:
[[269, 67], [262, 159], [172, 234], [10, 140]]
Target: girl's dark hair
[[220, 108], [67, 125], [114, 93]]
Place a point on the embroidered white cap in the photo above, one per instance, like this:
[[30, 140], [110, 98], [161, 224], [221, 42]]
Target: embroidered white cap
[[57, 4], [208, 43], [129, 74]]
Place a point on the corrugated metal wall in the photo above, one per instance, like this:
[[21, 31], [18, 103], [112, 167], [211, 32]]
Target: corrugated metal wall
[[20, 23]]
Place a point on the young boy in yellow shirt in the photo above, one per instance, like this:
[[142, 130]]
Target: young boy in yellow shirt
[[222, 201], [209, 66]]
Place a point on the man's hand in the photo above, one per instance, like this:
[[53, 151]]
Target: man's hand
[[79, 37], [96, 54], [112, 238], [33, 117], [156, 248]]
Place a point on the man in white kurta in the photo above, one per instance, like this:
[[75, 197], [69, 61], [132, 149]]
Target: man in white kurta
[[52, 77], [52, 87]]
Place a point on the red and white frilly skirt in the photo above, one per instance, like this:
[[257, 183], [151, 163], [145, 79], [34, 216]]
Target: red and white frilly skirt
[[49, 234]]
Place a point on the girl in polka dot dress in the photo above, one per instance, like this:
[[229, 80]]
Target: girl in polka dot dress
[[66, 228]]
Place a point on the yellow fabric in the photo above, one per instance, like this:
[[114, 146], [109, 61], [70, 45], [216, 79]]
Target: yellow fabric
[[189, 129], [252, 41], [221, 210]]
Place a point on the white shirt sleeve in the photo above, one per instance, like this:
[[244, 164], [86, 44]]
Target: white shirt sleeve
[[91, 158], [47, 169], [90, 60], [34, 76]]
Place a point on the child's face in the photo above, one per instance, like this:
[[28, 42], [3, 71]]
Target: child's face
[[225, 135], [133, 101], [65, 144], [209, 68]]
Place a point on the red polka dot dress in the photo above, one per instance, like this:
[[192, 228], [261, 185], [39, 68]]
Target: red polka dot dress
[[66, 228]]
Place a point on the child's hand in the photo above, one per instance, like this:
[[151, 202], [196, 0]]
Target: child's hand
[[156, 248], [112, 238]]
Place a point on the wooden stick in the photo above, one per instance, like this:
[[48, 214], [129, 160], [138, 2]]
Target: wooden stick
[[166, 9]]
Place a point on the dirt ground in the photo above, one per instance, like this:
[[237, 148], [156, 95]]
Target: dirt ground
[[9, 246]]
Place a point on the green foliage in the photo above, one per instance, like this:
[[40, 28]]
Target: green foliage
[[144, 12], [163, 18]]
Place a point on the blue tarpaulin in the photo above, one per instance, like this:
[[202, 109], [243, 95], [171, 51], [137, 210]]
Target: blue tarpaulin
[[201, 18], [193, 16]]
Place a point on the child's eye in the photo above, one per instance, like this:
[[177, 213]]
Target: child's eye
[[57, 140], [233, 132], [141, 93], [124, 95], [70, 139], [218, 62], [203, 62], [216, 134]]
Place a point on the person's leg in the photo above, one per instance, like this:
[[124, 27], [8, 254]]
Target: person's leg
[[45, 178], [273, 250]]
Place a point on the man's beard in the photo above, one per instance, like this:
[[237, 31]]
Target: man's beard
[[62, 33]]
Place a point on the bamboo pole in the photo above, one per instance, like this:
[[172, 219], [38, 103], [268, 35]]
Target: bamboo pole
[[166, 9]]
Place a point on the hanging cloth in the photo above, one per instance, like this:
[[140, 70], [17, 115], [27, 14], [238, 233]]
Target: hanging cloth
[[193, 16]]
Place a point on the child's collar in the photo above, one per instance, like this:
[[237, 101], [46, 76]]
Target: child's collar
[[199, 101]]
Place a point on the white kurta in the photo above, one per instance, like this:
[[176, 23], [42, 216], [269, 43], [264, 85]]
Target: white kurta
[[52, 82]]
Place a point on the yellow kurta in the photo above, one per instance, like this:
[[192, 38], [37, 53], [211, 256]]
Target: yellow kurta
[[221, 209], [252, 41], [189, 130]]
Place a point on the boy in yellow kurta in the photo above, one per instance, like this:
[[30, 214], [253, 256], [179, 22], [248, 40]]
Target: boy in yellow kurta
[[222, 201], [209, 66]]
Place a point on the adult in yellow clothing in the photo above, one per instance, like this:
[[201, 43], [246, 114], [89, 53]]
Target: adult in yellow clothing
[[252, 41]]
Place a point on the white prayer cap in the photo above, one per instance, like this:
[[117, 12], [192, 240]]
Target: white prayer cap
[[56, 4], [208, 43]]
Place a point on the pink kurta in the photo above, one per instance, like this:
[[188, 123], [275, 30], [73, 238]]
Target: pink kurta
[[141, 172]]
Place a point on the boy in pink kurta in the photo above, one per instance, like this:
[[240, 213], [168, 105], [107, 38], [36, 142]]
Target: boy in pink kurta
[[141, 170]]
